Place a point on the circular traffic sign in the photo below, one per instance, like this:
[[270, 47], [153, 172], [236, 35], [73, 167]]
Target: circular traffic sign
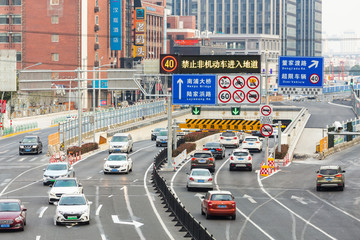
[[224, 96], [252, 82], [225, 82], [239, 96], [314, 78], [266, 130], [265, 110], [169, 63], [239, 82], [252, 96]]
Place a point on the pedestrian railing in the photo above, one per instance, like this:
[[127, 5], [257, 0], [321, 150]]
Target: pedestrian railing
[[19, 128]]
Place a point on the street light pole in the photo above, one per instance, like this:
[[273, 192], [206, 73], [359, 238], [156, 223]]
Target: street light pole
[[94, 112]]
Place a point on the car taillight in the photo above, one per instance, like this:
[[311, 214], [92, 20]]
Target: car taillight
[[193, 159], [339, 175], [249, 157], [218, 149], [205, 149], [235, 138], [210, 179], [319, 176], [210, 204], [233, 204], [232, 158], [257, 142], [244, 141], [221, 138], [191, 179], [211, 159]]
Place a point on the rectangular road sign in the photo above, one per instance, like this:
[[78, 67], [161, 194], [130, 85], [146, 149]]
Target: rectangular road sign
[[266, 120], [194, 89], [301, 72], [221, 124]]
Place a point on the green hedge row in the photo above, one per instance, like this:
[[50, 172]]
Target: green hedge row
[[87, 147], [282, 154]]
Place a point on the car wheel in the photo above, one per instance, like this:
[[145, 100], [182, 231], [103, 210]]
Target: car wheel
[[230, 168], [20, 153], [233, 217], [341, 188], [207, 216], [318, 188], [127, 171], [50, 202], [44, 183], [105, 172], [25, 223], [87, 223], [202, 212], [22, 229], [57, 223], [250, 169]]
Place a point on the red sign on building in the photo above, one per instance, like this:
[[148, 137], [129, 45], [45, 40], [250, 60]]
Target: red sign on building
[[187, 42], [3, 105]]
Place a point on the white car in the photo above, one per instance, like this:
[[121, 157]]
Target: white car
[[121, 142], [200, 178], [252, 143], [117, 163], [240, 158], [64, 186], [72, 208], [229, 138], [56, 170]]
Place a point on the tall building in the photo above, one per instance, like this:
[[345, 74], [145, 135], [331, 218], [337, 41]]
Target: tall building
[[288, 36]]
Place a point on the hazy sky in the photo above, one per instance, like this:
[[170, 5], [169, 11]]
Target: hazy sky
[[340, 16]]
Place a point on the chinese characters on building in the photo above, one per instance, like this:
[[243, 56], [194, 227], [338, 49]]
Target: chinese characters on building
[[115, 25], [139, 47]]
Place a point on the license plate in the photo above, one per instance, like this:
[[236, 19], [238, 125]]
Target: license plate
[[52, 180], [202, 161], [72, 217], [251, 144], [240, 165], [329, 179], [240, 158], [221, 206], [201, 181], [212, 150], [114, 170], [27, 150], [163, 142], [227, 139], [5, 225]]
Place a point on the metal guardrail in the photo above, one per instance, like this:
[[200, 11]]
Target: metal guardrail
[[105, 120], [188, 223], [20, 128]]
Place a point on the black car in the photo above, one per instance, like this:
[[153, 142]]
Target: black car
[[256, 133], [216, 148], [30, 144]]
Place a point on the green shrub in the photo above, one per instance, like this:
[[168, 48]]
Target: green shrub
[[87, 147], [282, 154], [194, 136], [188, 146]]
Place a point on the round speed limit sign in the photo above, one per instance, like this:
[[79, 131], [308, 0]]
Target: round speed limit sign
[[314, 78], [224, 96]]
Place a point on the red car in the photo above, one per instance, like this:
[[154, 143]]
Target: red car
[[12, 214], [218, 203]]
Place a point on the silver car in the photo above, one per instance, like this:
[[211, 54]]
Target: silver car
[[200, 178], [56, 170]]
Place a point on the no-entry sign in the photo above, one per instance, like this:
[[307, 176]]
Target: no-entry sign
[[266, 130]]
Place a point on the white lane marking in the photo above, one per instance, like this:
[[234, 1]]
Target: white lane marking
[[122, 188], [238, 210], [103, 237], [250, 198], [136, 180], [98, 221], [98, 210], [88, 178], [304, 229], [5, 182], [339, 105], [21, 159], [293, 232], [174, 176], [291, 211], [33, 159], [38, 237], [5, 150], [9, 160], [116, 220], [110, 196], [140, 150], [42, 211], [346, 213], [137, 227], [153, 205], [299, 199]]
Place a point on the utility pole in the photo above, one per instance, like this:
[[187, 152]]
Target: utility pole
[[94, 112], [267, 102], [169, 148], [78, 72]]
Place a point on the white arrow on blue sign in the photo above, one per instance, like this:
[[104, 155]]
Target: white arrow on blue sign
[[194, 89]]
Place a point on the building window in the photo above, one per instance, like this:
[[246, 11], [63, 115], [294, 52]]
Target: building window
[[4, 37], [4, 2], [16, 19], [54, 37], [16, 37], [180, 37], [18, 56], [16, 2], [4, 19], [55, 57], [97, 38], [55, 19], [96, 56], [96, 20], [96, 3], [54, 2]]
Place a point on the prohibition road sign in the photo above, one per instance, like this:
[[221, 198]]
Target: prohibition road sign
[[252, 82], [266, 130], [266, 110], [239, 82], [314, 78], [224, 96], [239, 96], [252, 96], [225, 82]]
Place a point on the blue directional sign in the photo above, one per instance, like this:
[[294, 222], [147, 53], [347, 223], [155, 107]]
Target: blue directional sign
[[301, 72], [104, 84], [194, 89]]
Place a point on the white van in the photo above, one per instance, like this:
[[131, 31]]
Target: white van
[[121, 142]]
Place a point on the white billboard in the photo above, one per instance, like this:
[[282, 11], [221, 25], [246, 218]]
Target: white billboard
[[7, 70]]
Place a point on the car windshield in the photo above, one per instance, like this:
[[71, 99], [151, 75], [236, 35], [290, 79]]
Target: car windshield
[[200, 173], [328, 171], [117, 158], [158, 129], [56, 167], [163, 133], [250, 139], [240, 154], [29, 140], [228, 134], [212, 145], [9, 207], [72, 200], [221, 197], [119, 139], [202, 155], [65, 183]]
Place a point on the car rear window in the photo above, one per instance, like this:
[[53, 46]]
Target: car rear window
[[163, 133], [72, 200], [221, 197], [65, 183], [200, 173], [250, 139], [212, 145], [119, 139], [117, 158], [57, 167], [240, 153], [202, 155], [228, 134], [328, 171]]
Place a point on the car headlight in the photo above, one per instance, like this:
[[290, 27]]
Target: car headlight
[[34, 146], [52, 194], [21, 146], [18, 219], [61, 212], [83, 211], [106, 165]]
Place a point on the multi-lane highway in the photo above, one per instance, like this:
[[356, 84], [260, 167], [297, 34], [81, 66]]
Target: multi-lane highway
[[282, 206]]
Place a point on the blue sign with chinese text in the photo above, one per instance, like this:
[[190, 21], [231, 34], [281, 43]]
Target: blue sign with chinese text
[[194, 89], [104, 84], [115, 25], [301, 72]]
